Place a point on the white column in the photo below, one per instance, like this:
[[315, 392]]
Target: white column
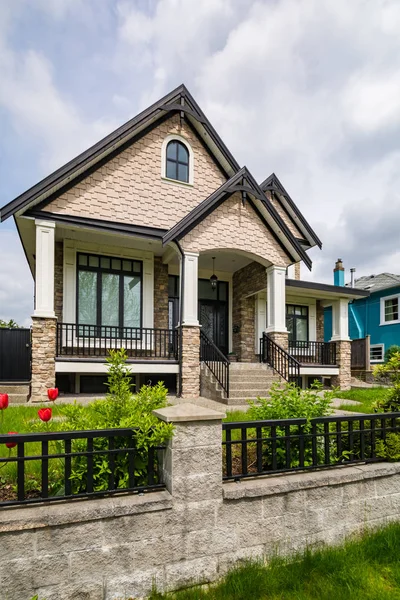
[[189, 269], [276, 299], [44, 276], [340, 320]]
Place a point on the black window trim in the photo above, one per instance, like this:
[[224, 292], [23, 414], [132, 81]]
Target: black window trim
[[176, 161], [99, 326], [300, 317]]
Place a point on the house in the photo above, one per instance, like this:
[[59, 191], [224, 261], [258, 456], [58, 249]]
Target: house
[[156, 240]]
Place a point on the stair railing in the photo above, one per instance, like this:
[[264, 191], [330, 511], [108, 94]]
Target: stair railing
[[280, 360], [215, 361]]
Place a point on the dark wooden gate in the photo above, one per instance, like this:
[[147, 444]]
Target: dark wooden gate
[[360, 358], [15, 354]]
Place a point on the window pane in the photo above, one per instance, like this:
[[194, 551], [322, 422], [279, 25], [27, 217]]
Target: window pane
[[116, 264], [297, 310], [171, 150], [83, 260], [183, 172], [183, 154], [290, 310], [206, 292], [93, 261], [290, 328], [304, 311], [223, 290], [392, 309], [127, 265], [171, 169], [376, 353], [301, 330], [110, 299], [173, 283], [137, 266], [105, 263], [87, 297], [132, 301]]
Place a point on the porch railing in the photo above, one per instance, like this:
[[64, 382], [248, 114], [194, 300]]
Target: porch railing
[[280, 360], [58, 465], [253, 448], [94, 340], [215, 361], [316, 353]]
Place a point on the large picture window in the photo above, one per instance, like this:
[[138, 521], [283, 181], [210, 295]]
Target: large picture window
[[109, 295], [297, 323]]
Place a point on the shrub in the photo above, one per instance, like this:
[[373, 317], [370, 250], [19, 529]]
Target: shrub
[[391, 351], [391, 369], [389, 449]]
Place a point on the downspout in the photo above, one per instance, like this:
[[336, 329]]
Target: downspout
[[356, 321]]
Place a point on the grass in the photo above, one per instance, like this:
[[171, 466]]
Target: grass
[[366, 396], [367, 568]]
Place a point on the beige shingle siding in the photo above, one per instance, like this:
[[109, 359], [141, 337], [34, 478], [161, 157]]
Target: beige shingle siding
[[235, 226], [129, 188], [285, 217]]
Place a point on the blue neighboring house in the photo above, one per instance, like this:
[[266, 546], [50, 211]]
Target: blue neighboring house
[[378, 315]]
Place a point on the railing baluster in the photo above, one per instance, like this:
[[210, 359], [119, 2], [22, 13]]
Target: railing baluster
[[21, 471], [314, 451], [244, 450], [259, 449], [111, 463], [89, 459], [362, 439], [67, 468], [228, 449], [45, 469], [327, 444]]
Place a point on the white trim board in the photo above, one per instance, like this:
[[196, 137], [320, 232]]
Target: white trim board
[[101, 368]]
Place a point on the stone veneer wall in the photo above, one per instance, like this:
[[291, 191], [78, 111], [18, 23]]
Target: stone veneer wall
[[190, 362], [58, 280], [248, 280], [114, 548], [320, 321], [297, 274], [43, 355], [343, 356], [280, 338], [160, 294]]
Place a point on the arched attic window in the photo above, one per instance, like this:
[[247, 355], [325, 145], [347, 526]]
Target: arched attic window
[[177, 164]]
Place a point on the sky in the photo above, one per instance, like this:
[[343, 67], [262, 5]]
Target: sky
[[308, 89]]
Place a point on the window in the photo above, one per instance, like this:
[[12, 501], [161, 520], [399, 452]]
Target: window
[[390, 310], [177, 161], [377, 353], [109, 295], [297, 323]]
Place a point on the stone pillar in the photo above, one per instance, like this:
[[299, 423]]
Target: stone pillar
[[320, 321], [43, 357], [193, 459], [297, 270], [343, 357], [190, 362], [282, 339], [160, 294]]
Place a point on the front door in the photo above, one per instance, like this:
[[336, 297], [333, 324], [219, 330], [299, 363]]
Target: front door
[[213, 317]]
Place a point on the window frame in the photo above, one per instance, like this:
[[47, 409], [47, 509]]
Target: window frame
[[306, 317], [382, 347], [185, 142], [98, 326], [383, 300]]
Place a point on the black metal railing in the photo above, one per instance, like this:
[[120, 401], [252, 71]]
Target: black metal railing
[[94, 340], [215, 360], [316, 353], [50, 466], [274, 355], [255, 448]]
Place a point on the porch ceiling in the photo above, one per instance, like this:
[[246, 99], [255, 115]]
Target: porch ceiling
[[224, 261]]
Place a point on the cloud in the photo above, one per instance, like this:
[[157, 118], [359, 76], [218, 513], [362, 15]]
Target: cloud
[[16, 282]]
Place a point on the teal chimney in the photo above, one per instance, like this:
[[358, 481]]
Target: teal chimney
[[338, 273]]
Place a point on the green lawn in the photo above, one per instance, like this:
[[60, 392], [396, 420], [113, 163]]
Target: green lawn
[[367, 397], [364, 569]]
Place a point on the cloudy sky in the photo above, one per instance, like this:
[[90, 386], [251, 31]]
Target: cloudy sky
[[309, 89]]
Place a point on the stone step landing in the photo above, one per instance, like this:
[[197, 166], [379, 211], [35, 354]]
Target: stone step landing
[[18, 393]]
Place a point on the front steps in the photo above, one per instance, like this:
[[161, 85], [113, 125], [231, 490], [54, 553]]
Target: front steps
[[247, 381], [18, 393]]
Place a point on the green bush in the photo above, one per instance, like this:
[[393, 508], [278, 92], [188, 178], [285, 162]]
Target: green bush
[[389, 449], [391, 351], [390, 370]]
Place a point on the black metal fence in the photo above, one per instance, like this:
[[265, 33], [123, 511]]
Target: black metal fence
[[215, 360], [255, 448], [316, 353], [76, 464], [274, 355], [94, 340]]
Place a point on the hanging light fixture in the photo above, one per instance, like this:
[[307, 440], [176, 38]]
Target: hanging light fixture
[[213, 278]]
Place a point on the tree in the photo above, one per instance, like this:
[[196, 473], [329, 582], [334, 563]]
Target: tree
[[9, 324]]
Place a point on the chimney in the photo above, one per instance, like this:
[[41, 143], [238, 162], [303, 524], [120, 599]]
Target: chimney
[[352, 271], [338, 273]]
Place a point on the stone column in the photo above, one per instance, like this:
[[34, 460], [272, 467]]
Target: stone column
[[320, 321], [160, 294], [193, 460], [343, 358]]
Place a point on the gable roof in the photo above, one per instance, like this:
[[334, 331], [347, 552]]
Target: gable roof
[[245, 183], [273, 184], [376, 283], [177, 101]]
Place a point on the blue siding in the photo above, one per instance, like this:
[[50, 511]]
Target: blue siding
[[365, 318]]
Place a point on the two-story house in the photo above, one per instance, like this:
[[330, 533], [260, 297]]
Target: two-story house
[[156, 240]]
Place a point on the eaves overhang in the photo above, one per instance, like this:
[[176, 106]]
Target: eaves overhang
[[329, 290]]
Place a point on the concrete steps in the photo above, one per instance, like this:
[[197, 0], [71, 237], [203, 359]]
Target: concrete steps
[[247, 381], [18, 393]]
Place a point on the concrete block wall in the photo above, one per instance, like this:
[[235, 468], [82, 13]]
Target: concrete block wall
[[194, 531]]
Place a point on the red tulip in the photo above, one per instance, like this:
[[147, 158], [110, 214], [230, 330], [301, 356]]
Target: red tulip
[[3, 401], [44, 414], [11, 444], [52, 394]]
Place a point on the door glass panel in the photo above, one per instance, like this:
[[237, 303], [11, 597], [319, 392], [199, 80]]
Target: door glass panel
[[110, 303], [223, 290], [132, 301], [301, 330], [207, 320], [206, 292], [87, 301]]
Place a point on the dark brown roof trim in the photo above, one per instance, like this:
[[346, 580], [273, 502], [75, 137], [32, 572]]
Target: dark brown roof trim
[[272, 183], [100, 224], [241, 181], [324, 287], [168, 104]]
